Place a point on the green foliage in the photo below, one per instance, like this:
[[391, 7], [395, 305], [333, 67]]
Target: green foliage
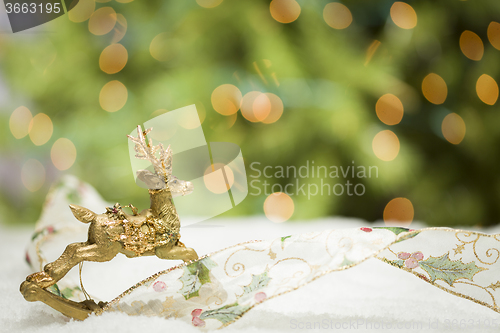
[[328, 87]]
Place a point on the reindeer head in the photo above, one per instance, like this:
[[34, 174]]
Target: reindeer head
[[162, 177]]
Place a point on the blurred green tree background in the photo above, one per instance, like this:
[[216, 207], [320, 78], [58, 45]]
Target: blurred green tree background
[[408, 87]]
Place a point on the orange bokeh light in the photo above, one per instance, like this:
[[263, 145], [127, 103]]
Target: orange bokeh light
[[113, 96], [471, 45], [399, 212], [33, 175], [102, 21], [208, 3], [276, 109], [247, 105], [161, 47], [337, 15], [487, 89], [226, 99], [385, 145], [403, 15], [389, 109], [19, 122], [63, 154], [453, 128], [113, 58], [213, 180], [285, 11], [120, 28], [434, 89], [82, 10], [40, 129], [279, 207], [494, 34]]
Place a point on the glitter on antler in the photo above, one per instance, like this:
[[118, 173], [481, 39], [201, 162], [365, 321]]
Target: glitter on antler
[[146, 151]]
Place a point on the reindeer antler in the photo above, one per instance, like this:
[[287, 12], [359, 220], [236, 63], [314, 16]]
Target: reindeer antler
[[146, 151], [162, 165]]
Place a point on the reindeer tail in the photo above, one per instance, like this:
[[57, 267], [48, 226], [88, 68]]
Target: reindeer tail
[[82, 214]]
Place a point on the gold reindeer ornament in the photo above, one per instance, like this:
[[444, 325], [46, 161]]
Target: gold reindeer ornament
[[154, 231]]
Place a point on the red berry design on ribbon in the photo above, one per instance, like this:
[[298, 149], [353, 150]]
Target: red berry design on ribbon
[[198, 322], [259, 297], [411, 260], [159, 286], [196, 318]]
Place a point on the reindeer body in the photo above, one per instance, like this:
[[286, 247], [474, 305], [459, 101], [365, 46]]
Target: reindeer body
[[139, 234]]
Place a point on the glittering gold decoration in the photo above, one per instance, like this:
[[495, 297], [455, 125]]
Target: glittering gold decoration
[[154, 231]]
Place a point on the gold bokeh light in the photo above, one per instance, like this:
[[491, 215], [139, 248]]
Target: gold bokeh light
[[102, 21], [113, 58], [261, 107], [399, 212], [226, 99], [337, 15], [213, 180], [403, 15], [494, 34], [82, 11], [63, 154], [33, 175], [285, 11], [434, 89], [120, 28], [279, 207], [276, 109], [187, 121], [247, 105], [453, 128], [208, 3], [487, 89], [389, 109], [19, 122], [113, 96], [40, 129], [471, 45], [385, 145], [160, 47]]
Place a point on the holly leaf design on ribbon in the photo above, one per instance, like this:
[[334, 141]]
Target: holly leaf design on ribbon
[[194, 276], [399, 262], [399, 230], [443, 268], [396, 230], [284, 237], [225, 314], [346, 262], [54, 289], [258, 282], [69, 292]]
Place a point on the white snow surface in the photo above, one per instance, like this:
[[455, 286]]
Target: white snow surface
[[372, 296]]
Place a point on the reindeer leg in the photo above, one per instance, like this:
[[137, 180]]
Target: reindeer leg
[[33, 288], [72, 256], [176, 252], [32, 292], [57, 269]]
